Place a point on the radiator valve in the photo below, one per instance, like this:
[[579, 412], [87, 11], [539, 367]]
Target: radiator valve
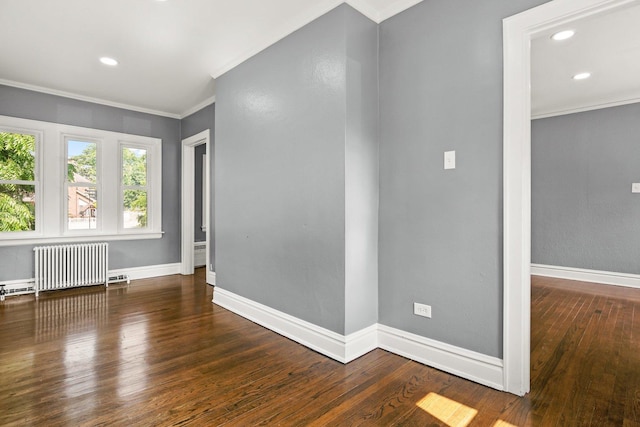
[[3, 292]]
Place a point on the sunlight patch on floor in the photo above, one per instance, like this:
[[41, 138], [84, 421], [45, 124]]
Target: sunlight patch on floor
[[450, 412]]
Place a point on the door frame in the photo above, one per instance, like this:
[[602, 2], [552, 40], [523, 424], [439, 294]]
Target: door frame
[[518, 30], [188, 201]]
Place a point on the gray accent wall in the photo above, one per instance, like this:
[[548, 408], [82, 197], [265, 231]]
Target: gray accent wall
[[441, 230], [289, 135], [193, 124], [16, 262], [583, 212]]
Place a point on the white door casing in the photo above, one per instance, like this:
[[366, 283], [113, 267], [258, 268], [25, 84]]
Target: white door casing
[[188, 197], [518, 31]]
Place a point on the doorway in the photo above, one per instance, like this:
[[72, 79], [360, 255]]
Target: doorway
[[518, 32], [188, 229]]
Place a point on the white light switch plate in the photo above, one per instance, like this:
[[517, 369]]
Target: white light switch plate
[[635, 187], [449, 159]]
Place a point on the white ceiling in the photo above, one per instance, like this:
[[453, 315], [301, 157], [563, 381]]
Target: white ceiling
[[607, 45], [169, 51]]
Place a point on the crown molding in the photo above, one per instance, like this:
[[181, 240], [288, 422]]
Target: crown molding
[[77, 97], [198, 107], [583, 108]]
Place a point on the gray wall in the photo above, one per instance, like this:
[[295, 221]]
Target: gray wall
[[361, 173], [583, 212], [16, 262], [441, 230], [282, 172], [191, 125]]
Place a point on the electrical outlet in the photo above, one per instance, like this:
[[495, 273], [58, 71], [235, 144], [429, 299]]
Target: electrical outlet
[[422, 310]]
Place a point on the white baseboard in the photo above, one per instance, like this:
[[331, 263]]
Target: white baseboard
[[147, 271], [584, 275], [467, 364], [211, 277], [464, 363], [331, 344]]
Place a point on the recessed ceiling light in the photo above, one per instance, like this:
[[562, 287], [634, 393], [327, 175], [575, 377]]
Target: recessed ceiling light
[[108, 61], [563, 35], [581, 76]]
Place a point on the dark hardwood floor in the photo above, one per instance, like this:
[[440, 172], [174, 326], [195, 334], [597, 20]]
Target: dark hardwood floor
[[158, 352]]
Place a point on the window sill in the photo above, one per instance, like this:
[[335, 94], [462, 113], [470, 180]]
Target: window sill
[[37, 240]]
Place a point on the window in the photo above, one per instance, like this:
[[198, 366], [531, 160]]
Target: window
[[108, 185], [134, 187], [18, 181], [82, 185]]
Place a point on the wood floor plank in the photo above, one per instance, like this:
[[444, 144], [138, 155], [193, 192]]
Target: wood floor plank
[[158, 352]]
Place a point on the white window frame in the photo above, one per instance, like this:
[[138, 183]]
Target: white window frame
[[38, 135], [51, 178], [154, 181]]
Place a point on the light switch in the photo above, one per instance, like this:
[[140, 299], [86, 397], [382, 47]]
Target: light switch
[[635, 187], [449, 159]]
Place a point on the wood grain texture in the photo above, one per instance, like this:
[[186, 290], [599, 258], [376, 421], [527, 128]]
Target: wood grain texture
[[158, 352]]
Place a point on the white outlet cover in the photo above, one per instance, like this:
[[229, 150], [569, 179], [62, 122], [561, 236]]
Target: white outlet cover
[[423, 310], [635, 187]]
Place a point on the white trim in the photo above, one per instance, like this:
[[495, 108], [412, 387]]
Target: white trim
[[518, 31], [77, 97], [585, 275], [464, 363], [331, 344], [211, 277], [467, 364], [361, 342], [581, 109], [198, 107], [188, 199], [322, 340], [147, 271], [53, 184], [72, 239]]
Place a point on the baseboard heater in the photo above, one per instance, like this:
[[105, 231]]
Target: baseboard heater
[[17, 287], [68, 266]]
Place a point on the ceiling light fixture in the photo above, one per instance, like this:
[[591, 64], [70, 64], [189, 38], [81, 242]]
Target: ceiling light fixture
[[563, 35], [108, 61], [581, 76]]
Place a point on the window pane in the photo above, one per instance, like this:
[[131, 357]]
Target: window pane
[[17, 157], [81, 161], [134, 166], [82, 208], [135, 208], [17, 207]]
